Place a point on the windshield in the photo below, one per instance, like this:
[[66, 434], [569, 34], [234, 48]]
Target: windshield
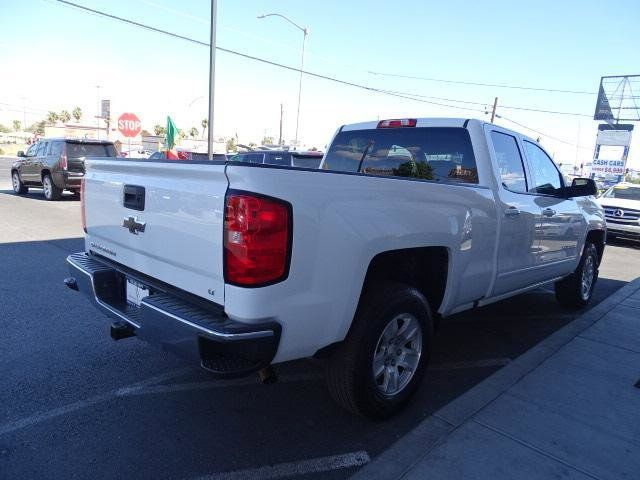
[[625, 192], [81, 150]]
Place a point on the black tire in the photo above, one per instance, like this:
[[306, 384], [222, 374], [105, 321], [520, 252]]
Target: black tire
[[18, 187], [349, 371], [51, 192], [570, 291]]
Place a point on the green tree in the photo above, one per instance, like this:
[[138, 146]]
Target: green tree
[[64, 116], [415, 170], [232, 146], [193, 133], [182, 134], [17, 125], [37, 127], [77, 114], [159, 130], [52, 118], [205, 124], [267, 141]]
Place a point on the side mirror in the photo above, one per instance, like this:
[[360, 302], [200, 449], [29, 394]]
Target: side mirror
[[21, 153], [581, 187]]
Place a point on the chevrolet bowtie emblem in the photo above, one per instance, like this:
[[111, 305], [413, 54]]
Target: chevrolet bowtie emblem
[[133, 225]]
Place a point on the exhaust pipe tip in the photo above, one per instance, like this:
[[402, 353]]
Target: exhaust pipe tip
[[71, 283]]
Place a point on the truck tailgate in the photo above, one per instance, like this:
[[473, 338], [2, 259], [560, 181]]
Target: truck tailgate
[[176, 236]]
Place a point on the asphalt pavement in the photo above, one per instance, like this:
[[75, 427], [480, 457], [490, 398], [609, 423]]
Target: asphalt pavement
[[75, 404]]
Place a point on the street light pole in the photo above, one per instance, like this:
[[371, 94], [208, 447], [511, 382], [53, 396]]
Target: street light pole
[[212, 76], [305, 31]]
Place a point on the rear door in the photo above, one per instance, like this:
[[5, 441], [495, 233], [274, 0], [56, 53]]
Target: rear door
[[163, 219], [39, 161], [519, 214], [562, 224]]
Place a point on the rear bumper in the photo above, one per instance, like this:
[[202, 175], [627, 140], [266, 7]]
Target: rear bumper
[[69, 180], [187, 327]]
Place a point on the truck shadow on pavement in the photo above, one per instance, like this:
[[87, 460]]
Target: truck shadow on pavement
[[95, 408], [37, 194]]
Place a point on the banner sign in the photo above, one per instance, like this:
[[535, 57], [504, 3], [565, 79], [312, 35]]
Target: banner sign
[[608, 167]]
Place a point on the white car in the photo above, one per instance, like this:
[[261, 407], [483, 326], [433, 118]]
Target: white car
[[621, 205], [239, 266]]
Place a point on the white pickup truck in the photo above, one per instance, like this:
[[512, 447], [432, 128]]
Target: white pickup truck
[[239, 266]]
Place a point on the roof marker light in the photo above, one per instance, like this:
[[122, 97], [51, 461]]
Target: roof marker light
[[398, 123]]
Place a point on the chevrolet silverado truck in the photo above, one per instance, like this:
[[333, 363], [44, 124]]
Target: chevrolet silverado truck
[[239, 266]]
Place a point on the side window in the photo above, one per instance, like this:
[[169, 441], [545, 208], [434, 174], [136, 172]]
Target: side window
[[55, 149], [509, 162], [42, 147], [546, 177], [254, 158], [278, 159], [32, 150]]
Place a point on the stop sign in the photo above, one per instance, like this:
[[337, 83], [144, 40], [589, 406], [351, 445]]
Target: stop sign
[[129, 124]]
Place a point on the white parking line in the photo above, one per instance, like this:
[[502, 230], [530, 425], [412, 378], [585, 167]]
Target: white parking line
[[490, 362], [303, 467], [182, 387], [142, 388]]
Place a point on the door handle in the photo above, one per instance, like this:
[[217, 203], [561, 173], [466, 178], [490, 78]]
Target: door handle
[[548, 212], [511, 212]]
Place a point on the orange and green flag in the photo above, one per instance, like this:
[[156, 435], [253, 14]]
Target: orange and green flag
[[172, 134]]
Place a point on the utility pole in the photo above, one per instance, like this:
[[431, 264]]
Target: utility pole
[[99, 113], [493, 112], [281, 112], [212, 75]]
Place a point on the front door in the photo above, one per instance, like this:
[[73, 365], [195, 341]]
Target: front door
[[518, 243], [27, 165], [562, 224]]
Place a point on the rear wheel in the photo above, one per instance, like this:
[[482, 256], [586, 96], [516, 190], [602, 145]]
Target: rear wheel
[[51, 192], [18, 187], [576, 290], [382, 361]]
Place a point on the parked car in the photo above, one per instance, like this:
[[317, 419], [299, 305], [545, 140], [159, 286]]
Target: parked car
[[188, 155], [621, 205], [238, 268], [284, 158], [56, 164]]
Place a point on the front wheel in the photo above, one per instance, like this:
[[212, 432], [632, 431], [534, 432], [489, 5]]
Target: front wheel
[[51, 192], [382, 361], [18, 187], [576, 290]]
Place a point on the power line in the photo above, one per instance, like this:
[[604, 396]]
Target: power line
[[404, 95], [542, 133], [479, 84]]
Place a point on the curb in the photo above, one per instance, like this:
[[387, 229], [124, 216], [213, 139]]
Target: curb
[[400, 457]]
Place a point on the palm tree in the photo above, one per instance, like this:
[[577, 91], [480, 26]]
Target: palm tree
[[64, 116], [159, 130], [52, 118], [17, 125], [77, 114], [204, 124], [193, 133], [182, 134]]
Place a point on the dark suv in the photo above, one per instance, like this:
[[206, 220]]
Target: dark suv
[[56, 164]]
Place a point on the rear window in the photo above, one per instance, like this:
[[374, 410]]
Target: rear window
[[433, 153], [306, 161], [81, 150], [283, 159]]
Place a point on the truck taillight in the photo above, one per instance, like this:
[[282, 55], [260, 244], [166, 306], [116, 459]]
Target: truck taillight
[[257, 239], [398, 123], [83, 213]]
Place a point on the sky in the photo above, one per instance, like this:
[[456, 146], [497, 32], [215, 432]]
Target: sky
[[53, 57]]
